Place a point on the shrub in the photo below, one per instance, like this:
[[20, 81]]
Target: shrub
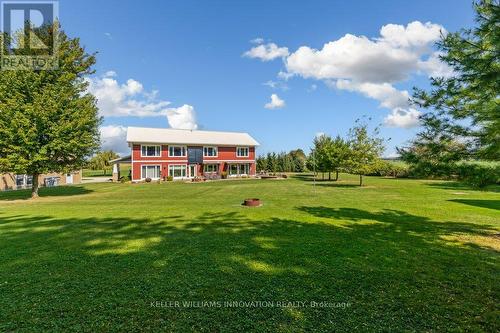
[[148, 180], [395, 169], [479, 174], [170, 178], [223, 174]]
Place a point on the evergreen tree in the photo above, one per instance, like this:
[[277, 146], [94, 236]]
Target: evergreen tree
[[468, 101], [261, 164]]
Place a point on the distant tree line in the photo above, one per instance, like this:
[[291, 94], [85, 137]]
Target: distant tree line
[[359, 154], [293, 161]]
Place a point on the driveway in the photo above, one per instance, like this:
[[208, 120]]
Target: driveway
[[86, 180]]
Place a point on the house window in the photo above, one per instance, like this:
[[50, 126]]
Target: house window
[[24, 181], [51, 181], [239, 169], [242, 151], [177, 171], [244, 169], [233, 169], [208, 168], [176, 151], [150, 171], [150, 151], [210, 151]]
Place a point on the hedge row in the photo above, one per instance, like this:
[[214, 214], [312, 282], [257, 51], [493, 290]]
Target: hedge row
[[476, 173]]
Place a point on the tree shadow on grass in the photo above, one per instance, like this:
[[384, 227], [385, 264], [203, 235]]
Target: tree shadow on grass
[[339, 184], [58, 191], [103, 273], [491, 204], [309, 177]]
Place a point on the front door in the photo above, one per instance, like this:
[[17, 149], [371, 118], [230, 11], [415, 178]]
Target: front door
[[69, 178], [192, 170]]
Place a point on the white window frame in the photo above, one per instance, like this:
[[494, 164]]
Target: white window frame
[[25, 181], [205, 149], [239, 169], [184, 149], [157, 151], [211, 164], [238, 153], [171, 168], [150, 165]]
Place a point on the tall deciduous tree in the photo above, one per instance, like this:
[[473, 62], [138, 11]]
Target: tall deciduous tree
[[468, 101], [338, 155], [100, 161], [365, 150], [48, 122], [321, 154]]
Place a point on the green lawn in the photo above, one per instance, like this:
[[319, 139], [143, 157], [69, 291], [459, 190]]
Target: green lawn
[[393, 255]]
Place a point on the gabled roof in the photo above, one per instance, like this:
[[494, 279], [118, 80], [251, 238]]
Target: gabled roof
[[189, 137]]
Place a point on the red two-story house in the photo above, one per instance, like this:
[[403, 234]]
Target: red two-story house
[[183, 154]]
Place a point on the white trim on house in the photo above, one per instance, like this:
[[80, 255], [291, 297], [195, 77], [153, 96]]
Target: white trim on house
[[172, 167], [239, 170], [214, 148], [150, 165], [186, 161], [156, 151], [160, 161], [184, 149], [205, 166], [238, 152]]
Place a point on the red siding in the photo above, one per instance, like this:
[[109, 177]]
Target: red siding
[[225, 155]]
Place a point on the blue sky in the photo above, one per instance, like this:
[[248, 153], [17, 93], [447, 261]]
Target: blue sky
[[182, 63]]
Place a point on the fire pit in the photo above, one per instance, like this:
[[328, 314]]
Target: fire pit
[[251, 202]]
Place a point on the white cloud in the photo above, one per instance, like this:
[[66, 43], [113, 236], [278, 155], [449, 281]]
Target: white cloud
[[127, 99], [108, 34], [285, 75], [276, 103], [114, 137], [405, 118], [266, 52], [110, 74], [434, 67], [130, 99], [276, 85], [372, 66], [388, 96], [182, 117], [389, 58], [258, 40]]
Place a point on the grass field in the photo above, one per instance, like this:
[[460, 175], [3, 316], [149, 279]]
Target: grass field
[[394, 255]]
